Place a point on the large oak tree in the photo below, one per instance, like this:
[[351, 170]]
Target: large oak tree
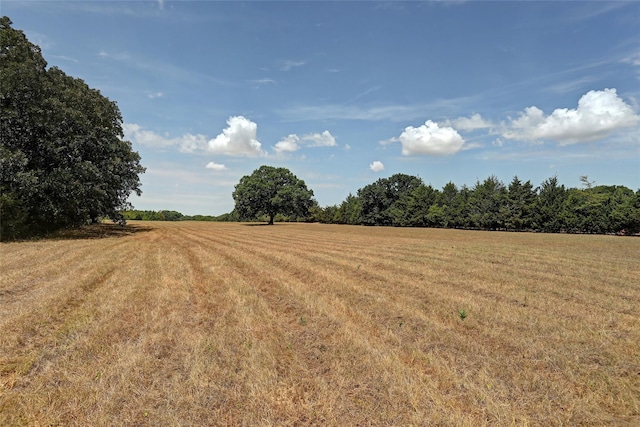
[[63, 158], [270, 191]]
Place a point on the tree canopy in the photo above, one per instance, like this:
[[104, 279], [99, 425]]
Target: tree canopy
[[403, 200], [270, 191], [63, 158]]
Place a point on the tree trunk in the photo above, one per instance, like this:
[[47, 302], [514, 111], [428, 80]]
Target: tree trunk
[[271, 219]]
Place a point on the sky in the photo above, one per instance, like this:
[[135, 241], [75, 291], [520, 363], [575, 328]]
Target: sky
[[345, 93]]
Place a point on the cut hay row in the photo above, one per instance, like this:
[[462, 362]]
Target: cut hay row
[[307, 324]]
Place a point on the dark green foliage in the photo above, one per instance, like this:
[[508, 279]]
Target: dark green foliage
[[601, 209], [625, 214], [403, 200], [518, 208], [486, 204], [549, 206], [64, 162], [378, 200], [152, 215], [269, 191], [350, 210], [449, 206], [165, 215], [412, 208]]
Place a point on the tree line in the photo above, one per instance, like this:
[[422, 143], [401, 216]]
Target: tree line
[[166, 215], [406, 201], [64, 163], [272, 194]]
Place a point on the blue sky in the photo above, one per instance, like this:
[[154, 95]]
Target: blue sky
[[344, 93]]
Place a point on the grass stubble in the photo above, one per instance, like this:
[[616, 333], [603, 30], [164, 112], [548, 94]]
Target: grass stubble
[[307, 324]]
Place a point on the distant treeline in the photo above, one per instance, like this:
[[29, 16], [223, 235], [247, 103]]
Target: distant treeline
[[405, 201], [172, 216]]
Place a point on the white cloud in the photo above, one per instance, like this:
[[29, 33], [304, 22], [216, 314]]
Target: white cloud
[[288, 144], [324, 139], [599, 114], [216, 166], [294, 142], [468, 123], [155, 95], [187, 143], [430, 139], [190, 143], [238, 139], [376, 166]]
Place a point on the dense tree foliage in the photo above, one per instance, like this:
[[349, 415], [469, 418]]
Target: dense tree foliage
[[63, 159], [269, 191], [403, 200], [152, 215], [382, 201], [166, 215]]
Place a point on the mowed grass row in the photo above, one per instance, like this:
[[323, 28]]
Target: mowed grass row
[[306, 324]]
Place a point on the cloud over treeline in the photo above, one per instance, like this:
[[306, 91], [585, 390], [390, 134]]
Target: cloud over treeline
[[239, 138], [376, 166], [294, 142], [429, 139], [599, 114], [187, 143], [216, 166]]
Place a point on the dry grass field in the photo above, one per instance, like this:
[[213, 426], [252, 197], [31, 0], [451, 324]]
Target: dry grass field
[[169, 324]]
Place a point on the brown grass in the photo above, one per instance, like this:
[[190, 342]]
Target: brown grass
[[307, 324]]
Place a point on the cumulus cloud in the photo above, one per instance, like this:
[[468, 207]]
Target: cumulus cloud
[[376, 166], [468, 123], [237, 139], [216, 166], [429, 139], [187, 143], [190, 143], [599, 114], [288, 144], [294, 142], [324, 139]]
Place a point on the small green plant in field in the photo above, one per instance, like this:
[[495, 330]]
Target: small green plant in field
[[303, 321], [463, 314]]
